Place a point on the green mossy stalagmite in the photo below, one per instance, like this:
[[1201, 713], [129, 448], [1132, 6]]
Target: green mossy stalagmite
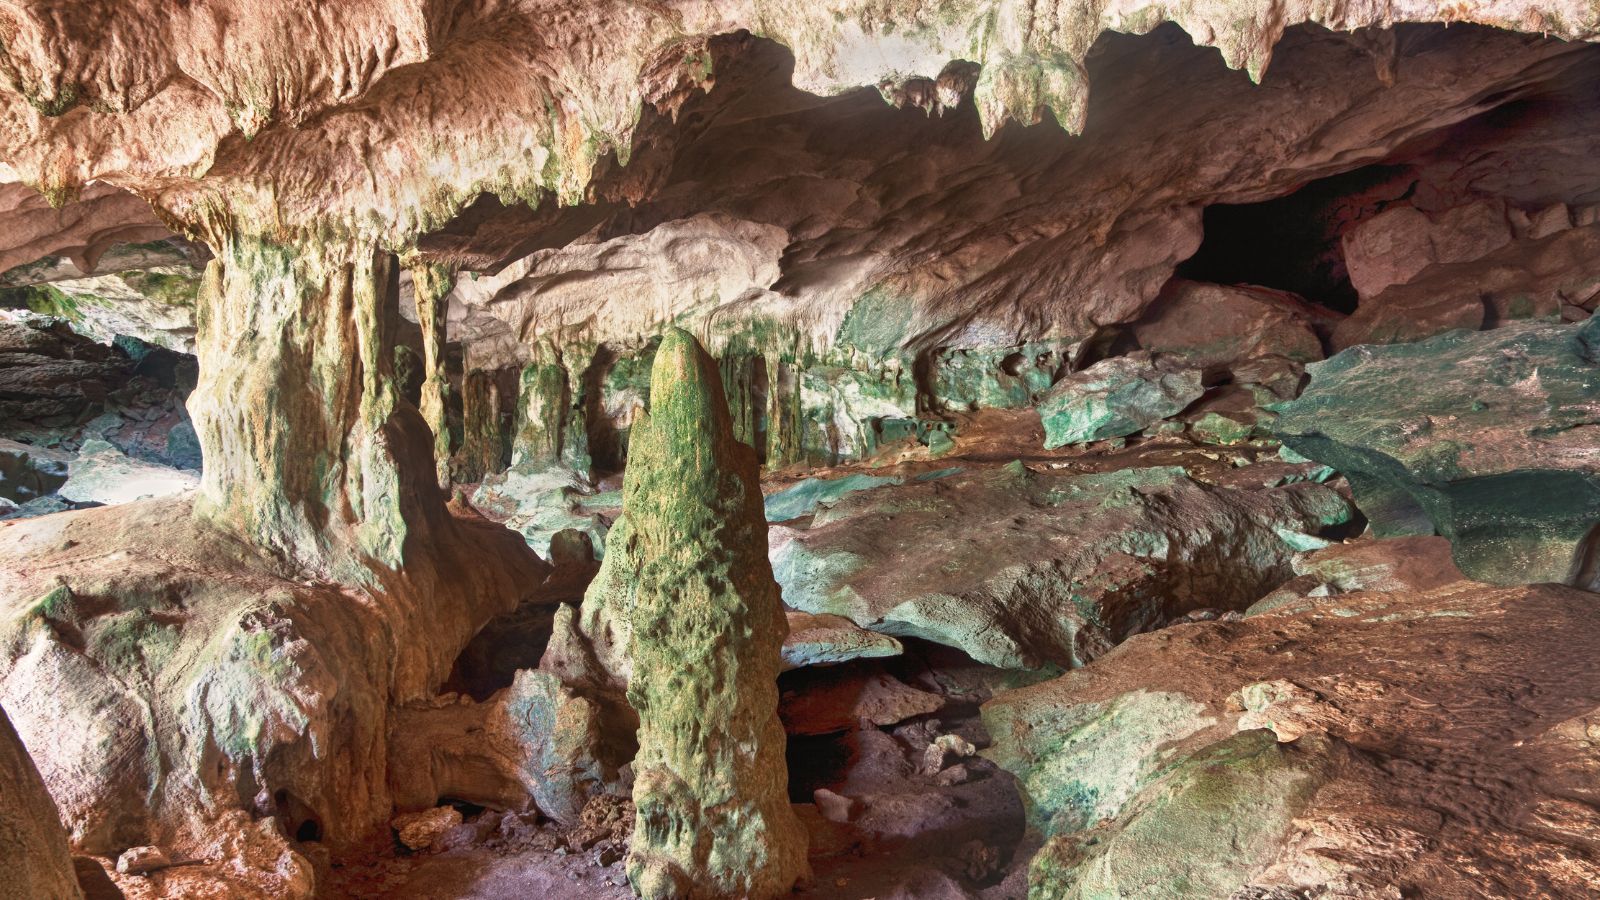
[[707, 626], [542, 403]]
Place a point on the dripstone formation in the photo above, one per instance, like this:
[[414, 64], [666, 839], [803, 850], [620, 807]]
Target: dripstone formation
[[710, 781], [843, 448]]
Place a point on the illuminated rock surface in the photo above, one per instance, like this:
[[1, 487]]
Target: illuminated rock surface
[[1004, 306]]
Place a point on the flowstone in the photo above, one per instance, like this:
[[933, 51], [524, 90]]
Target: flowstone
[[713, 816]]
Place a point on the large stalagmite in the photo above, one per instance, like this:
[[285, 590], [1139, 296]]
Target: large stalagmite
[[713, 812]]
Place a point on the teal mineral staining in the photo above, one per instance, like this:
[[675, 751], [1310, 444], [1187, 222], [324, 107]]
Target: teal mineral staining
[[1483, 437], [1117, 397], [1201, 830]]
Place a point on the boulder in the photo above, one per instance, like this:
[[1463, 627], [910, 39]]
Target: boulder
[[1021, 569], [1117, 397], [422, 830], [821, 701], [28, 472], [105, 475], [1398, 244], [537, 500], [1206, 828], [1215, 759], [1220, 325], [820, 640], [1524, 279], [1485, 438]]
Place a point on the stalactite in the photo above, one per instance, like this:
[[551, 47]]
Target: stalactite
[[431, 284]]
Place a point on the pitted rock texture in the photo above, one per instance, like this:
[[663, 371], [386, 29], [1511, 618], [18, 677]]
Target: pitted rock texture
[[214, 707], [705, 630], [1485, 438]]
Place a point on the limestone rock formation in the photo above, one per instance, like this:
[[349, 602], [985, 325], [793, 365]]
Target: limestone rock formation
[[706, 626], [1022, 568], [1146, 769], [31, 839], [103, 474], [1217, 326], [219, 705], [815, 640], [410, 243], [1117, 397], [1486, 439]]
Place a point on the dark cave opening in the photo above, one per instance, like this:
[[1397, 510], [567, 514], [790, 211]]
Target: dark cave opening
[[298, 818], [1292, 243], [506, 644]]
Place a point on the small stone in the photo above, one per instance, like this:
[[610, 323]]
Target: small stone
[[620, 879], [93, 880], [834, 807], [979, 860], [142, 860], [957, 774], [421, 830], [944, 750], [608, 855]]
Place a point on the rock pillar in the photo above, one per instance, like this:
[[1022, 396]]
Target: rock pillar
[[713, 814]]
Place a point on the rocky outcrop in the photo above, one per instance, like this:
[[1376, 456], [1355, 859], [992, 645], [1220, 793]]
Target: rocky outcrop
[[1537, 278], [1274, 755], [102, 474], [1117, 397], [221, 709], [35, 847], [705, 629], [1216, 326], [310, 452], [1022, 568], [1486, 439]]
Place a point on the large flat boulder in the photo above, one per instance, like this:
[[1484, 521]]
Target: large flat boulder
[[1020, 568], [1488, 439]]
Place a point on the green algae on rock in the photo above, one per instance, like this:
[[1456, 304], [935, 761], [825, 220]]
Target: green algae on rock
[[713, 816], [1486, 438], [1117, 397], [1203, 829]]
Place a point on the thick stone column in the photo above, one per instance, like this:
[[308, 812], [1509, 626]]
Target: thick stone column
[[706, 629], [431, 285], [543, 400], [309, 452], [483, 443]]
